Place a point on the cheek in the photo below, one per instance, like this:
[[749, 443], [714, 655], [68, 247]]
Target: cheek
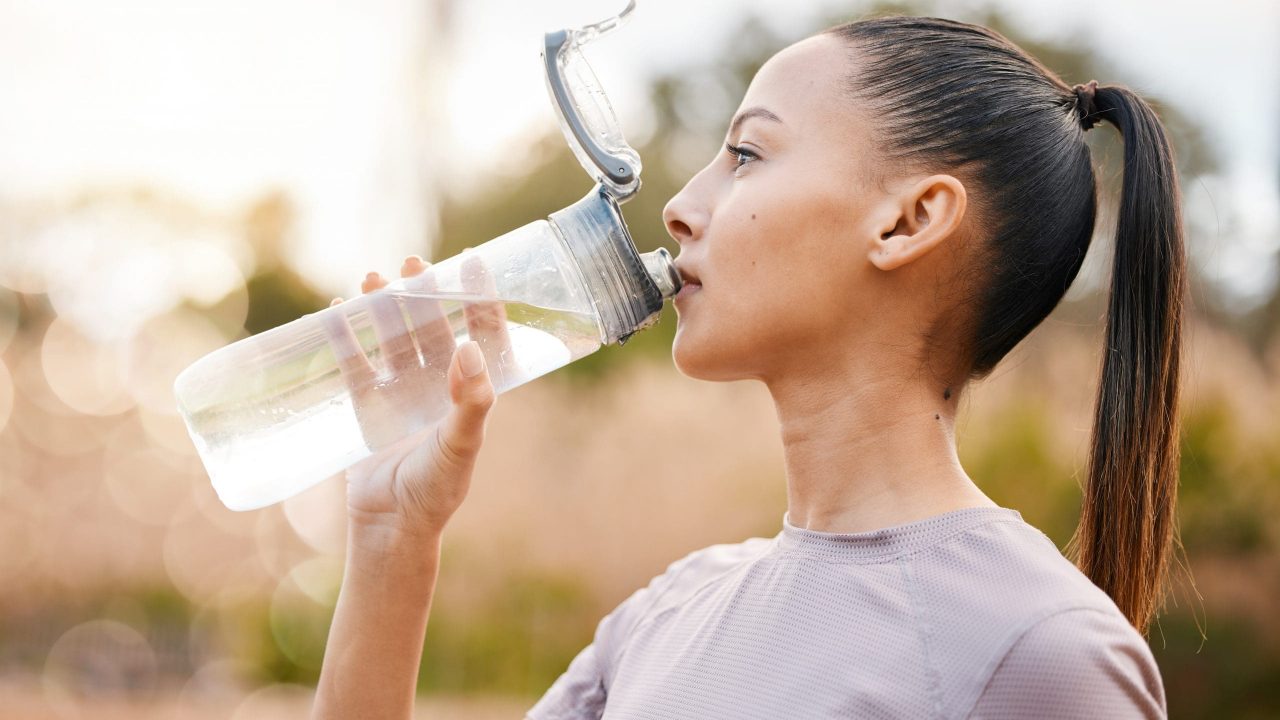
[[796, 272], [778, 263]]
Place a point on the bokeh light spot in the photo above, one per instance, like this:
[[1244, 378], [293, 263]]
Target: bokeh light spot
[[167, 430], [98, 658], [82, 373], [204, 271], [319, 514], [273, 701], [279, 547], [202, 561], [319, 578], [145, 481], [299, 625], [160, 349]]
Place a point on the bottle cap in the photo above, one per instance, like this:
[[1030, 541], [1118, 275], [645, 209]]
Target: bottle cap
[[586, 117], [628, 288]]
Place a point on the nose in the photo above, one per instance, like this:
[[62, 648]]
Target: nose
[[684, 217]]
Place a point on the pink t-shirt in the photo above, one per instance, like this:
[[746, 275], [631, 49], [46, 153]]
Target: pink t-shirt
[[969, 614]]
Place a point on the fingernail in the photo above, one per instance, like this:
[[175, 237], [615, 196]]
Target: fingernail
[[471, 359]]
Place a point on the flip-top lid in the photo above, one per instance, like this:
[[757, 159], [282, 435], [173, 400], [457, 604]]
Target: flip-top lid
[[586, 117]]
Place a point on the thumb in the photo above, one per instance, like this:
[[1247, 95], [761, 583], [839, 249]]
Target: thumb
[[462, 430]]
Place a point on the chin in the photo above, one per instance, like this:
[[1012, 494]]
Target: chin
[[700, 359]]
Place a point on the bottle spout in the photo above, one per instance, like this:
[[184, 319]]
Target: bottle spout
[[628, 287], [662, 271]]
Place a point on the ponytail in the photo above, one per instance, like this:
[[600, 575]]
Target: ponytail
[[1128, 516]]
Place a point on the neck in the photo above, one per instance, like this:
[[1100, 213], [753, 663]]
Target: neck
[[866, 450]]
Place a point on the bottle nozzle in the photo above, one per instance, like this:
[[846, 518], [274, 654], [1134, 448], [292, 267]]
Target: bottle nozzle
[[662, 271]]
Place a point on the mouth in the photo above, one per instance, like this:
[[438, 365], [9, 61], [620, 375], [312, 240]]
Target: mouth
[[687, 275], [686, 290], [690, 282]]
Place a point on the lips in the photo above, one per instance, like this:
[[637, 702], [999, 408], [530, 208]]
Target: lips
[[687, 275], [690, 282], [686, 290]]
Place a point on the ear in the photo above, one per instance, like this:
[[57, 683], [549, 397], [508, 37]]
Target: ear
[[917, 219]]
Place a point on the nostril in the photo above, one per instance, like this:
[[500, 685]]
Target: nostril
[[679, 230]]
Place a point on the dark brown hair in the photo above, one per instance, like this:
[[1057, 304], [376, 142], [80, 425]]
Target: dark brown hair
[[948, 94]]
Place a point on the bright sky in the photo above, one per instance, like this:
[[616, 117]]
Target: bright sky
[[356, 109]]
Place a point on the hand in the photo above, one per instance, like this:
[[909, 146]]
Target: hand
[[421, 469]]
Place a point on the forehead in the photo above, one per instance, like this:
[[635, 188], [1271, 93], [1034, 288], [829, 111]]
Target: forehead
[[803, 84]]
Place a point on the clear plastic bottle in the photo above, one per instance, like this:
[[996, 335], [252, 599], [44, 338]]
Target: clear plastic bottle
[[273, 414]]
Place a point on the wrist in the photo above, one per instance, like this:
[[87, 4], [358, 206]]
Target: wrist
[[379, 530], [389, 551]]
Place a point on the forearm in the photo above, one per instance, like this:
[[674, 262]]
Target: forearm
[[375, 641]]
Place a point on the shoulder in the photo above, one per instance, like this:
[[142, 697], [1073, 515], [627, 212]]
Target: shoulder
[[1006, 569], [1078, 662], [711, 562], [581, 691], [1000, 603], [681, 579]]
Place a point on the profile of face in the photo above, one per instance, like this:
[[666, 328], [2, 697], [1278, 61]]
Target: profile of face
[[810, 253]]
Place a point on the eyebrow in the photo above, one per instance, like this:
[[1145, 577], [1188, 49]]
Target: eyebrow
[[750, 113]]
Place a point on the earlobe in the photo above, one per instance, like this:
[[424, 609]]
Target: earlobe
[[927, 213]]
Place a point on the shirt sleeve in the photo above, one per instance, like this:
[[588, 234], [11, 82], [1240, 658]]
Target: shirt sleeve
[[581, 691], [1079, 663]]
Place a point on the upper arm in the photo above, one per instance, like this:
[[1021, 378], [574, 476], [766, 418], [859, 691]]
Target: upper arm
[[1080, 663]]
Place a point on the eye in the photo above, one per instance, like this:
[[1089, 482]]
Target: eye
[[739, 154]]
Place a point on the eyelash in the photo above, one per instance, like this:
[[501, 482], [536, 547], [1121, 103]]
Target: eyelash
[[740, 153]]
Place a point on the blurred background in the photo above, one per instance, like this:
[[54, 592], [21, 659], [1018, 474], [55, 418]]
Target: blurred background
[[177, 176]]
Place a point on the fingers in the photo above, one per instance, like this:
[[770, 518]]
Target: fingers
[[412, 266], [372, 281], [398, 351], [354, 366], [428, 322], [486, 321], [461, 433], [435, 475], [427, 317]]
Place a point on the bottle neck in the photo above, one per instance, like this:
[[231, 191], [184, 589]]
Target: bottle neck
[[626, 288]]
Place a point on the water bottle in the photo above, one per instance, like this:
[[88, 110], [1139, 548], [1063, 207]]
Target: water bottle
[[276, 413]]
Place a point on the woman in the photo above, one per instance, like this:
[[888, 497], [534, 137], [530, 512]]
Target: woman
[[899, 202]]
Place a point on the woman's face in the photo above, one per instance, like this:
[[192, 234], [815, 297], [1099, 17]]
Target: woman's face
[[776, 234]]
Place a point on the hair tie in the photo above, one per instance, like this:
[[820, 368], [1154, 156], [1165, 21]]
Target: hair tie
[[1085, 107]]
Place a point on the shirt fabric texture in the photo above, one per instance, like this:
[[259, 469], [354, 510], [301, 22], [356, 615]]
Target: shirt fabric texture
[[969, 614]]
